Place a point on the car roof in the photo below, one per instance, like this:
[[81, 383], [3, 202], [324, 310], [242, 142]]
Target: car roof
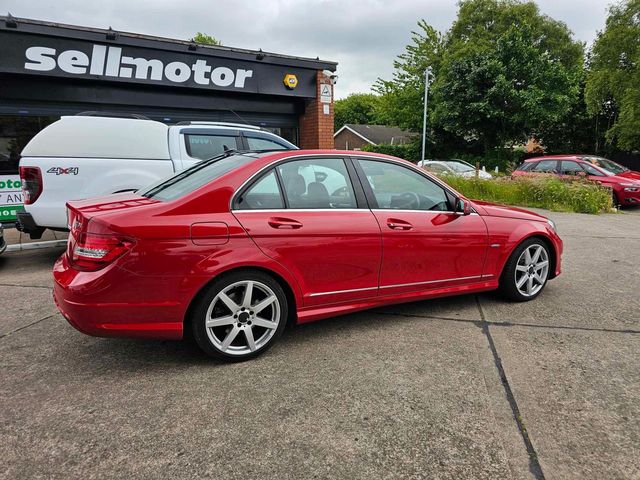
[[576, 157]]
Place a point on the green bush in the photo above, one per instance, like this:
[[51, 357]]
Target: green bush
[[551, 193], [410, 151]]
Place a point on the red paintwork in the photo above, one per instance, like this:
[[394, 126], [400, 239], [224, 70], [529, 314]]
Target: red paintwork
[[178, 247], [617, 183]]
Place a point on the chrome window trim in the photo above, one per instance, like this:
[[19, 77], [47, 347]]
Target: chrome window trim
[[422, 211], [264, 210]]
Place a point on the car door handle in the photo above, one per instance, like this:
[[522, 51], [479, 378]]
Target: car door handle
[[286, 223], [395, 224]]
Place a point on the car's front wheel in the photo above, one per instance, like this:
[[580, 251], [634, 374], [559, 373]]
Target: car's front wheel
[[526, 272], [240, 315]]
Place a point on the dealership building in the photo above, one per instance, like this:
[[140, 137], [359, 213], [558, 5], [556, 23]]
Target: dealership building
[[48, 70]]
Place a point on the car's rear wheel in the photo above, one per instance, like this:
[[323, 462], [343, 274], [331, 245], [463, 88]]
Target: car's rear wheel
[[240, 315], [527, 271]]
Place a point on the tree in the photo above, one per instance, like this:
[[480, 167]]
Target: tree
[[204, 39], [503, 72], [358, 108], [613, 81], [502, 96]]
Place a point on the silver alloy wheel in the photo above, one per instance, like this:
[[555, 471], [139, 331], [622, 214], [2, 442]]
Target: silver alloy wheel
[[532, 270], [249, 307]]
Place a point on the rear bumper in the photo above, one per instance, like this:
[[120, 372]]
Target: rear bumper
[[108, 303]]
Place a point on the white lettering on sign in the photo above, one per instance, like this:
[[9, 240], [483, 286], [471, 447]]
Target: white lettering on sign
[[109, 61]]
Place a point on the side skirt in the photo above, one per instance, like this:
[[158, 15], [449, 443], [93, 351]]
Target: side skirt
[[311, 314]]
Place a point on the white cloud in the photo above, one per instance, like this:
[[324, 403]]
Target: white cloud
[[364, 36]]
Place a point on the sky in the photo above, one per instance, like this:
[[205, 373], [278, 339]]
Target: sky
[[363, 36]]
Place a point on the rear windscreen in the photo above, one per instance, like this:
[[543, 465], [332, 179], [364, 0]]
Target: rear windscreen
[[195, 177]]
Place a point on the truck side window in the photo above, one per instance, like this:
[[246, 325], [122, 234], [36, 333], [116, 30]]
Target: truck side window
[[263, 144], [208, 146]]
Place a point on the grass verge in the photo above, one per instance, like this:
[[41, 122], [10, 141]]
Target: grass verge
[[551, 193]]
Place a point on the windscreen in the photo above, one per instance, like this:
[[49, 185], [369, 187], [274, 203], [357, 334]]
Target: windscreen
[[460, 167], [195, 177], [608, 165]]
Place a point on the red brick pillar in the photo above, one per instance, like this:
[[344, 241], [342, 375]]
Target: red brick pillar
[[316, 126]]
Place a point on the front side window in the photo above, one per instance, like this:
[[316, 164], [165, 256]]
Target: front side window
[[545, 166], [264, 194], [569, 167], [208, 146], [399, 188], [264, 144], [317, 183], [592, 170]]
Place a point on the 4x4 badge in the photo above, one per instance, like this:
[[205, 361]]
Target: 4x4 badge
[[64, 171]]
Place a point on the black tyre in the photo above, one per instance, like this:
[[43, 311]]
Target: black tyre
[[526, 272], [240, 315], [615, 200]]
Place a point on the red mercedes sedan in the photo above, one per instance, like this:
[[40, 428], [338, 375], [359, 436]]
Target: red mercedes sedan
[[232, 249]]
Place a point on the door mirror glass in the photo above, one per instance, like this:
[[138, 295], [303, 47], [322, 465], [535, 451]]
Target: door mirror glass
[[462, 206]]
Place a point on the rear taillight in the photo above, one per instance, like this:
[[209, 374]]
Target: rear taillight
[[93, 251], [31, 184]]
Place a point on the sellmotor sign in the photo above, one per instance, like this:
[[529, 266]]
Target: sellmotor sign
[[110, 62], [118, 62], [10, 197]]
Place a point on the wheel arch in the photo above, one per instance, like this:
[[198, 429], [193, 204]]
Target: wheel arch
[[547, 241], [288, 291]]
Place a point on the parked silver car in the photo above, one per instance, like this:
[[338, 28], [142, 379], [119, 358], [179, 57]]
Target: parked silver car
[[453, 167]]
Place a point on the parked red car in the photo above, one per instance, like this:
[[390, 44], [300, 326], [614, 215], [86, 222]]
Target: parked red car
[[231, 249], [624, 183]]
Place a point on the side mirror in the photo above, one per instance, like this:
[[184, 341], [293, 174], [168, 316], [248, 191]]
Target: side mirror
[[462, 206]]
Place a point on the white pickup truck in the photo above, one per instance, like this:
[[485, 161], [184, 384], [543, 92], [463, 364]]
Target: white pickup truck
[[86, 156]]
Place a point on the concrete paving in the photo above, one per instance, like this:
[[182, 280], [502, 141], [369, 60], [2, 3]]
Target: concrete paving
[[466, 387]]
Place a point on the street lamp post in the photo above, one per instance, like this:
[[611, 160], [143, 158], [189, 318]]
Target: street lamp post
[[427, 74]]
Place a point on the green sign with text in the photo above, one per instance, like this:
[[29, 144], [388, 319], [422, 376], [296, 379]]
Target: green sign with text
[[10, 197]]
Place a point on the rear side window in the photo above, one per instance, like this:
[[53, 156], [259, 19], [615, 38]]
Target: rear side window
[[264, 144], [317, 183], [525, 167], [195, 177], [545, 166], [208, 146], [264, 194]]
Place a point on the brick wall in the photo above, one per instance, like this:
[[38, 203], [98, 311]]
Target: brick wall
[[347, 140], [316, 128]]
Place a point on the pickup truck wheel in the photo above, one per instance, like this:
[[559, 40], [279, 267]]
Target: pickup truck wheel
[[240, 316]]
